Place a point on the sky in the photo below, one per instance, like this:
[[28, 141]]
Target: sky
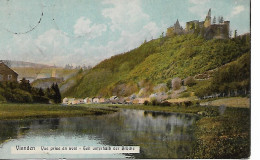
[[85, 32]]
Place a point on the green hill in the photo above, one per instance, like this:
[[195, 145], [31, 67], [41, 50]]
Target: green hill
[[158, 61]]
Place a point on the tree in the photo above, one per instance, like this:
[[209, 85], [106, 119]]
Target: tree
[[55, 93], [25, 85], [176, 83], [189, 81], [214, 20], [220, 19], [235, 33], [40, 92], [169, 84]]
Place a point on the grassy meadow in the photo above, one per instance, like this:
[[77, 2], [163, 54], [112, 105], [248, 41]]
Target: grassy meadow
[[22, 111]]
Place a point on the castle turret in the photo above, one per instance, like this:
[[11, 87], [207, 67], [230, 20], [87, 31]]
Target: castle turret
[[176, 29], [207, 22], [177, 24]]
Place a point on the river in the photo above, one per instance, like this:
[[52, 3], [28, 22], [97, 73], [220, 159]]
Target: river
[[159, 135]]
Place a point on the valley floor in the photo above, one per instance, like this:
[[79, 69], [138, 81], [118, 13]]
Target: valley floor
[[22, 111]]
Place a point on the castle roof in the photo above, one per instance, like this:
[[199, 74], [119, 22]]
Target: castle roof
[[4, 69]]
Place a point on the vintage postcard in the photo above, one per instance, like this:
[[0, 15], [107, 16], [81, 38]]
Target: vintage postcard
[[144, 79]]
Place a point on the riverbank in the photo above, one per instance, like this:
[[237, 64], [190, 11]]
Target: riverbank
[[241, 102], [22, 111], [195, 109], [225, 136]]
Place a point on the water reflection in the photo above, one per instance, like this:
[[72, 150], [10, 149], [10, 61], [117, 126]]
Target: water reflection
[[159, 135]]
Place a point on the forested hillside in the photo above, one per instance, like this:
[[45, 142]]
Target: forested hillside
[[159, 61]]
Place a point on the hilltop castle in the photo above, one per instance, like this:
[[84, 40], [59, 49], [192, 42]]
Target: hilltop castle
[[206, 28]]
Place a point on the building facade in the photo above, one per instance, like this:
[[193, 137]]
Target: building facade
[[7, 74]]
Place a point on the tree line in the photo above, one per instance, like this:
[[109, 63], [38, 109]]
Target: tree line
[[23, 92]]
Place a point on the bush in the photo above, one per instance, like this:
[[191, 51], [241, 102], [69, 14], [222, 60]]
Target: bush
[[146, 102], [154, 102], [185, 94], [165, 103], [189, 81], [2, 99], [176, 83], [187, 103], [41, 99], [22, 96]]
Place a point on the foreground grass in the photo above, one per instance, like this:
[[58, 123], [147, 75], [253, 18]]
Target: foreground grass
[[177, 109], [21, 111], [225, 136], [242, 102]]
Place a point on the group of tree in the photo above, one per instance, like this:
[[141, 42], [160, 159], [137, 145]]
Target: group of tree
[[220, 20], [23, 92], [84, 67], [230, 80]]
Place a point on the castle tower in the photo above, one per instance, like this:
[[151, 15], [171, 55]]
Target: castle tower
[[176, 29], [207, 22], [177, 24]]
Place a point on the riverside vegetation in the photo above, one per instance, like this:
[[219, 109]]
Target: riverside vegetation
[[23, 111]]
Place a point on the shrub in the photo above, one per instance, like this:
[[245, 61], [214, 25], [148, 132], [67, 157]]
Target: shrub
[[187, 103], [146, 102], [165, 103], [176, 83], [185, 94], [189, 81], [2, 99], [40, 99], [22, 96], [154, 102]]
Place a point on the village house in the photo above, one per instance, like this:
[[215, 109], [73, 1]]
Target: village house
[[65, 100], [95, 100], [88, 100], [7, 74], [70, 100], [102, 100], [114, 99]]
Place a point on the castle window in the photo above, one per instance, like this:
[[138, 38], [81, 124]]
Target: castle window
[[1, 77], [9, 77]]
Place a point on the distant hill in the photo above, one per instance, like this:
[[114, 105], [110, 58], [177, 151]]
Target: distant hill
[[158, 61], [35, 71], [26, 64]]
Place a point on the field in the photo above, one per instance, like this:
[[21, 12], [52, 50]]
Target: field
[[21, 111], [225, 136], [242, 102]]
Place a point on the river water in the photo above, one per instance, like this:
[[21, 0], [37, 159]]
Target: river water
[[159, 135]]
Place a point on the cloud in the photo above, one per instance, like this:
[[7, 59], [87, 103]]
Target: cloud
[[47, 48], [127, 18], [199, 7], [124, 14], [84, 27], [127, 41], [198, 1], [237, 10]]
